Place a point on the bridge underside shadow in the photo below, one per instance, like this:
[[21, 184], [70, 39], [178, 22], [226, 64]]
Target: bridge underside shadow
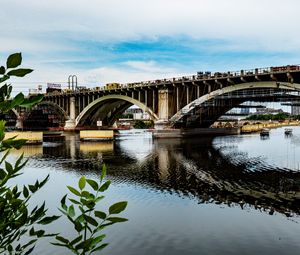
[[108, 109], [107, 112], [204, 111]]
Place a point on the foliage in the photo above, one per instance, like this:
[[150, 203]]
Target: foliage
[[139, 124], [278, 116], [124, 116], [7, 104], [16, 219], [87, 221], [295, 117]]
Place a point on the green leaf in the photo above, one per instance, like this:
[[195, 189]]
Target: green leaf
[[117, 207], [74, 191], [101, 215], [31, 231], [18, 99], [63, 202], [74, 201], [25, 192], [85, 245], [104, 186], [40, 233], [19, 72], [99, 198], [47, 220], [40, 212], [101, 247], [14, 60], [78, 226], [116, 219], [32, 188], [2, 70], [29, 251], [29, 243], [62, 239], [76, 240], [2, 174], [71, 211], [93, 184], [87, 194], [8, 167], [11, 143], [59, 244], [4, 78], [81, 182], [29, 102], [2, 129], [97, 240], [91, 220]]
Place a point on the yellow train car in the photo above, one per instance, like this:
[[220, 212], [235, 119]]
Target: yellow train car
[[113, 85]]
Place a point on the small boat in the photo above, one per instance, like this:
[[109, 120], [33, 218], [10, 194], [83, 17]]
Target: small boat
[[288, 131], [265, 132]]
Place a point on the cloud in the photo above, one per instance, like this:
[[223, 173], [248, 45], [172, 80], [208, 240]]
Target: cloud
[[256, 20], [135, 39], [131, 71]]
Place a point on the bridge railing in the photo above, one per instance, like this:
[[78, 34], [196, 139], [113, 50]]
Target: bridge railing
[[200, 76], [214, 75]]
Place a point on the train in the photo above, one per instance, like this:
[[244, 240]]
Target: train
[[113, 85], [285, 68]]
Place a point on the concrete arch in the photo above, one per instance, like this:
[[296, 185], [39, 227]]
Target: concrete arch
[[55, 106], [243, 86], [109, 98]]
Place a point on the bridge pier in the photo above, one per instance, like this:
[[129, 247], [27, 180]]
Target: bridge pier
[[19, 123], [71, 123]]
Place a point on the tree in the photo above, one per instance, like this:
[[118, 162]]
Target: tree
[[88, 222], [16, 220]]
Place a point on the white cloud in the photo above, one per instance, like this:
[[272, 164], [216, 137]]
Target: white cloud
[[131, 71], [44, 31], [266, 23]]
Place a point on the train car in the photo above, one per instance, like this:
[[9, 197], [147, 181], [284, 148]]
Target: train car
[[67, 90], [82, 89], [53, 90], [285, 68], [113, 85]]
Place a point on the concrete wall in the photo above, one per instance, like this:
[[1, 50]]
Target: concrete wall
[[97, 134], [32, 137]]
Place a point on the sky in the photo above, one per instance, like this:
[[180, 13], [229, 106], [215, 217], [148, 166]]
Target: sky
[[137, 40]]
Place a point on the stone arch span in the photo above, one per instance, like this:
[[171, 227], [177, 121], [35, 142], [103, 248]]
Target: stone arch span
[[56, 108], [189, 108], [106, 107], [43, 116]]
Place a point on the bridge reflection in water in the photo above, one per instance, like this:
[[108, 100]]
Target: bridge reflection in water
[[185, 167]]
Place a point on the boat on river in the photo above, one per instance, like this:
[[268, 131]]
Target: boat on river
[[288, 131], [265, 132]]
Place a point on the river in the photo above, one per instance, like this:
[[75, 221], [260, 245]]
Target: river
[[224, 195]]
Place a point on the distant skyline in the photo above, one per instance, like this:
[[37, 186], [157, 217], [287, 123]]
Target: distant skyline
[[133, 40]]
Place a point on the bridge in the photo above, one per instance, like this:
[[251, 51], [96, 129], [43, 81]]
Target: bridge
[[189, 101]]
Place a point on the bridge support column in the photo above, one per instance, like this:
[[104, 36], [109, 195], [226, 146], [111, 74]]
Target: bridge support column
[[177, 99], [163, 104], [70, 124], [19, 123], [165, 108]]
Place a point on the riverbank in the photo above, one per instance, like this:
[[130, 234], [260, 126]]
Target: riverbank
[[255, 126]]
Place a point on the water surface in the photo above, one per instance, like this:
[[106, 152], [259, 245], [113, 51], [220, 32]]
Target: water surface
[[224, 195]]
